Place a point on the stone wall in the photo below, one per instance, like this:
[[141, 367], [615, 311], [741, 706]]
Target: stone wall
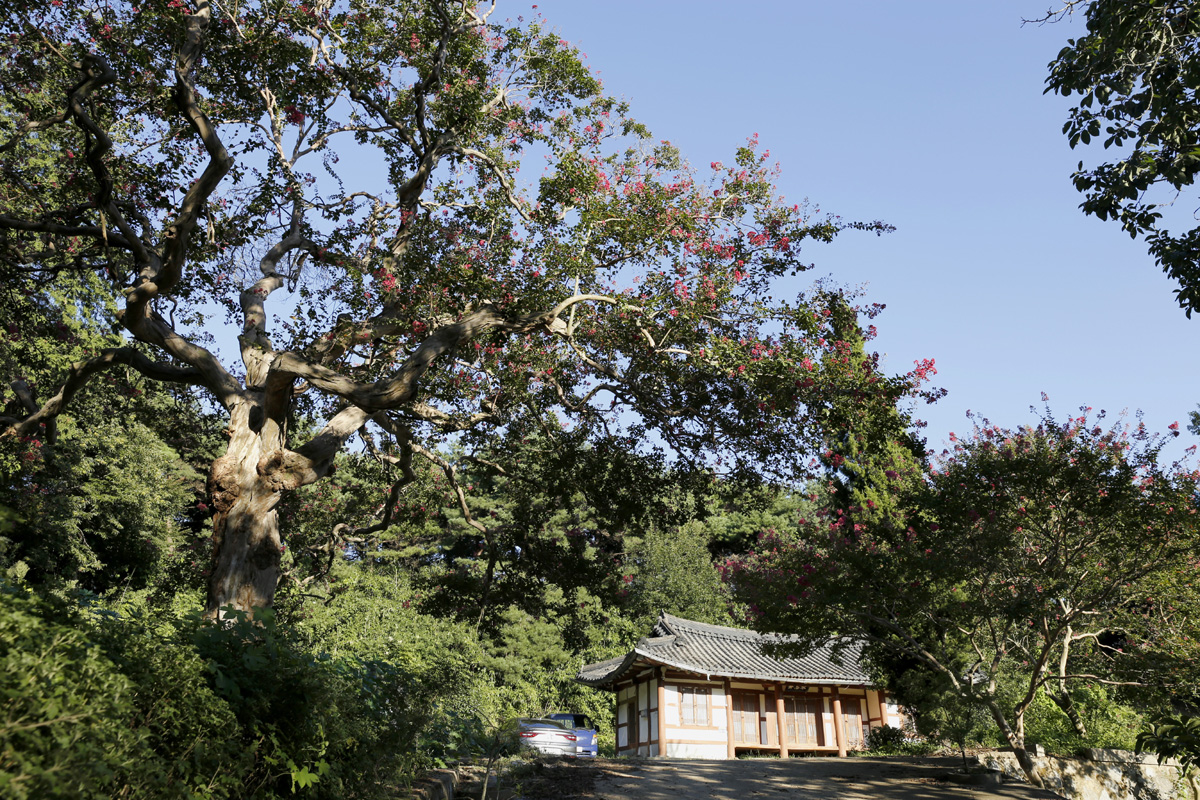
[[437, 784], [1103, 775]]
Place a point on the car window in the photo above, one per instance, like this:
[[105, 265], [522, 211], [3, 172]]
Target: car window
[[574, 720]]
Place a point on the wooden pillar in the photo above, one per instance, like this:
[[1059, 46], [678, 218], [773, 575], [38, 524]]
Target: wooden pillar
[[819, 704], [883, 715], [662, 712], [730, 752], [782, 724], [635, 715], [643, 709], [635, 736], [839, 724]]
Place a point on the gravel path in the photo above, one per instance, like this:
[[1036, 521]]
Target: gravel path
[[767, 779]]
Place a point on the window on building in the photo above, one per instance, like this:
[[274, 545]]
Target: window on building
[[693, 705]]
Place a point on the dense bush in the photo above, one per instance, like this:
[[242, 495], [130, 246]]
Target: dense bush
[[64, 711], [306, 721], [1173, 737], [1107, 721], [444, 695], [889, 741], [96, 704]]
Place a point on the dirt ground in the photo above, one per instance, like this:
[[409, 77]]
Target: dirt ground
[[747, 779]]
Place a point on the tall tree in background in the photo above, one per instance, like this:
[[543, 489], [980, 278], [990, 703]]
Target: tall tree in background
[[1135, 72], [871, 451], [361, 159]]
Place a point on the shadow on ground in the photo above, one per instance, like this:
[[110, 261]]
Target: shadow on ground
[[759, 779]]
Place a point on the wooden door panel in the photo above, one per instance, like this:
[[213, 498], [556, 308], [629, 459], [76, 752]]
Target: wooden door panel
[[816, 721], [745, 718], [853, 721], [803, 721], [771, 718], [631, 724]]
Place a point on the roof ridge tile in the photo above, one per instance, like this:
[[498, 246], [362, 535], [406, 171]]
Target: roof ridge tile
[[734, 652]]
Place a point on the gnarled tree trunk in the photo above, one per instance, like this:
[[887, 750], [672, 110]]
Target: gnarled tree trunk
[[246, 541]]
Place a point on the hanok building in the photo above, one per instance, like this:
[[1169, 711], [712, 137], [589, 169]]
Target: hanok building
[[693, 690]]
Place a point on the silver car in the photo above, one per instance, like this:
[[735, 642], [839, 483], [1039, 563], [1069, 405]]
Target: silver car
[[547, 736], [585, 733]]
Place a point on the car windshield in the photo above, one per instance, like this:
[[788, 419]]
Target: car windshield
[[575, 720]]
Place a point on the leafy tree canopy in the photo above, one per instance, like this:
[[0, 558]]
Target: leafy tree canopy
[[345, 178], [1135, 72]]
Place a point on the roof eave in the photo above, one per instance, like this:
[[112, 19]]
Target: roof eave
[[748, 675], [613, 676]]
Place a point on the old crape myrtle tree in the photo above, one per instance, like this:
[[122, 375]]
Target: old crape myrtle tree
[[1041, 559], [361, 160]]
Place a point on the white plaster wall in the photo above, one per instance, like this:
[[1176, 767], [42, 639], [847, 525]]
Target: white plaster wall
[[643, 711], [701, 734], [827, 720], [720, 706], [708, 751], [671, 712], [623, 697], [622, 733]]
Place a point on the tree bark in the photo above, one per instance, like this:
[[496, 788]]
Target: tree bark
[[1016, 740], [1063, 700], [246, 554], [246, 543]]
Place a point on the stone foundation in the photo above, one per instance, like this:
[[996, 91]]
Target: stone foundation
[[1102, 775]]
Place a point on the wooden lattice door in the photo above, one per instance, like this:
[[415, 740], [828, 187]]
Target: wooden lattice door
[[803, 721], [745, 718], [852, 718]]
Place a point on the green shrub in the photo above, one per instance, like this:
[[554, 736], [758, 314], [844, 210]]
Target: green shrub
[[1173, 737], [1108, 723], [350, 703], [65, 711], [889, 741], [444, 697], [336, 727], [942, 715], [99, 705], [885, 738], [188, 728]]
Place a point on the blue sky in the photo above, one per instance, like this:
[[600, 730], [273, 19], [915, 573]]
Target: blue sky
[[929, 116]]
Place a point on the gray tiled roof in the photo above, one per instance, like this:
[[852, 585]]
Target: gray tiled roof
[[716, 650]]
